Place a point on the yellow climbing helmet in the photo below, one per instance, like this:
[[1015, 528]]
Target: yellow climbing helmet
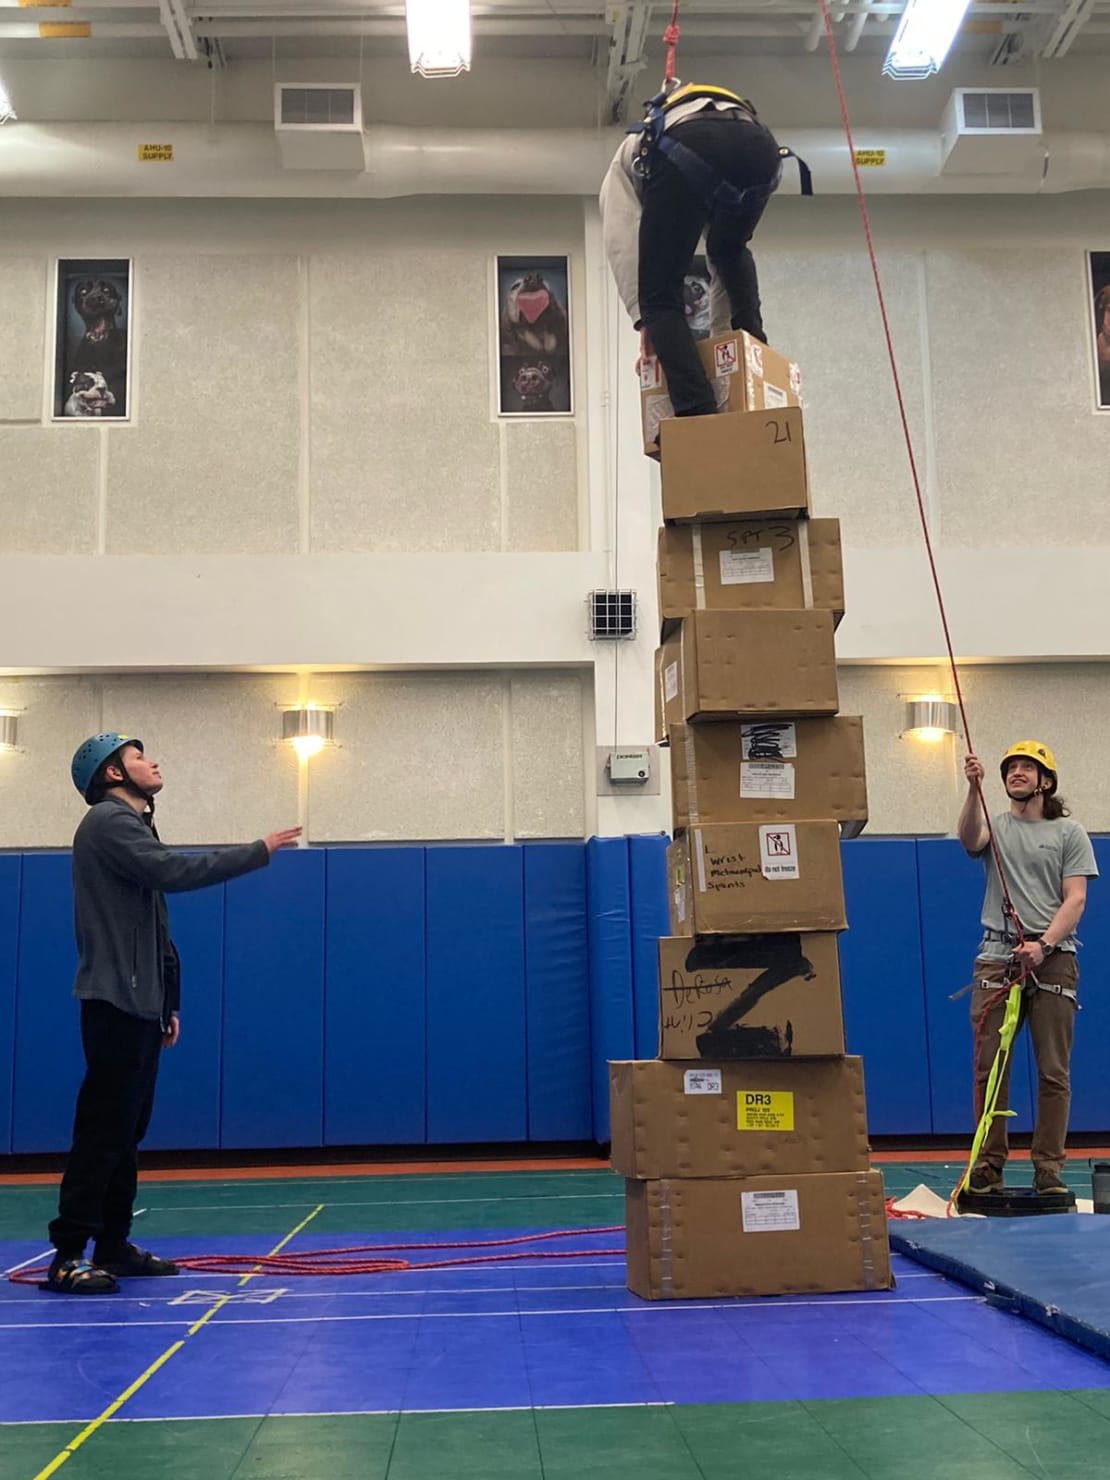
[[1033, 750]]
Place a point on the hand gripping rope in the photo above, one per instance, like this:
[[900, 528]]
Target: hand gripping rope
[[367, 1258], [1014, 989]]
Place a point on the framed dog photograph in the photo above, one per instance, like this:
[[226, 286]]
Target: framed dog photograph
[[533, 312], [92, 338], [1098, 267], [695, 294]]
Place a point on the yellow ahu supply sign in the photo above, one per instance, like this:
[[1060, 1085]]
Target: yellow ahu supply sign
[[155, 153], [871, 158], [764, 1110]]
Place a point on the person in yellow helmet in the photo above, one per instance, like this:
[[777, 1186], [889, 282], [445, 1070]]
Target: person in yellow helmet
[[700, 159], [1047, 859]]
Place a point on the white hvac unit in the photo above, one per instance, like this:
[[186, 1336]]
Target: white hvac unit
[[319, 125], [991, 131]]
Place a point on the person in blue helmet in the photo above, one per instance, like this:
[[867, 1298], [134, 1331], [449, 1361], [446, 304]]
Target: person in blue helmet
[[128, 984]]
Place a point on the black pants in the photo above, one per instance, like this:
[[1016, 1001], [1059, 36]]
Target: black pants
[[113, 1111], [671, 223]]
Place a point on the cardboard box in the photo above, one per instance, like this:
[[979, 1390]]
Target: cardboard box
[[745, 374], [770, 771], [750, 565], [737, 1119], [744, 878], [771, 1235], [733, 665], [727, 997], [750, 462]]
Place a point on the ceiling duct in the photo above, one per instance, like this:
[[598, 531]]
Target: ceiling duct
[[319, 125]]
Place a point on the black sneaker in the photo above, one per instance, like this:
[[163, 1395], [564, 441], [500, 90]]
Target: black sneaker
[[1048, 1184], [984, 1181], [133, 1263]]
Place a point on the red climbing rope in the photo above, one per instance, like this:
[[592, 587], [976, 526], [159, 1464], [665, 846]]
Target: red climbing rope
[[1007, 902], [366, 1258], [670, 41]]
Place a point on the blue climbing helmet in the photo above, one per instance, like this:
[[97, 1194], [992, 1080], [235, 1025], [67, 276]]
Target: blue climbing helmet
[[88, 758]]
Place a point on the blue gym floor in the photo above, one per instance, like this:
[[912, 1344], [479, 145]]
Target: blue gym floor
[[540, 1334]]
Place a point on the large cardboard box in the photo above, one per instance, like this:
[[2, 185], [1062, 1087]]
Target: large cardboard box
[[769, 771], [775, 1235], [743, 878], [749, 664], [745, 374], [749, 564], [747, 462], [727, 997], [737, 1119]]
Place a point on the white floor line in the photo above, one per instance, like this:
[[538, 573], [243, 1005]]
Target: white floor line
[[14, 1423], [34, 1259], [874, 1300], [375, 1202]]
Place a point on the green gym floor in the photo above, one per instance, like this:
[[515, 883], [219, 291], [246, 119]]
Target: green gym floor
[[544, 1369]]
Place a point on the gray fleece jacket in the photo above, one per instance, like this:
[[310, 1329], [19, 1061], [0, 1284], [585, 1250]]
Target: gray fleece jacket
[[121, 871]]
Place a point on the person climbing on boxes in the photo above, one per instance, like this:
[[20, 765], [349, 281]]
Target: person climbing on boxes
[[128, 984], [1047, 859], [699, 161]]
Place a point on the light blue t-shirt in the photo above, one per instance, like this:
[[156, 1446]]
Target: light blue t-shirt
[[1037, 857]]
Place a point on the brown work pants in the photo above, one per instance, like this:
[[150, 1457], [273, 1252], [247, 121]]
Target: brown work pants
[[1051, 1021]]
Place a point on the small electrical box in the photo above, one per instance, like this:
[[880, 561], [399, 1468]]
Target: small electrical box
[[631, 766]]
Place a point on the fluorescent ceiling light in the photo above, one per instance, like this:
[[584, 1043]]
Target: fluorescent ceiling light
[[7, 112], [924, 37], [439, 36]]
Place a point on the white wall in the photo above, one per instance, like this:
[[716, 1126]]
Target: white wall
[[315, 484]]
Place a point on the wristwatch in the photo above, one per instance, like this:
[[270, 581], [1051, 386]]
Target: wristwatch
[[1045, 947]]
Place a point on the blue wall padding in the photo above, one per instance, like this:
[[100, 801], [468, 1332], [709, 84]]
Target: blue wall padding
[[1090, 1110], [273, 1034], [612, 1023], [647, 868], [883, 990], [187, 1104], [49, 1063], [408, 995], [477, 1089], [557, 975], [11, 866], [951, 893], [375, 1068]]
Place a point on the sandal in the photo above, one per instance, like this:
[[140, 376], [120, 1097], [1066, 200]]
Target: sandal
[[78, 1277], [134, 1263]]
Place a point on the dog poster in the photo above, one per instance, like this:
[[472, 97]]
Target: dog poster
[[92, 338], [534, 336], [1099, 266], [695, 295]]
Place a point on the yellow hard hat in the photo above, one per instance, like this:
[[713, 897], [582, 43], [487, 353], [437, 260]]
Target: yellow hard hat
[[1033, 750]]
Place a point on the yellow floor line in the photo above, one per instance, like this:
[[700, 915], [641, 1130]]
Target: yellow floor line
[[129, 1392]]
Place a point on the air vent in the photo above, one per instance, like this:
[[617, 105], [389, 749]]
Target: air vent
[[992, 131], [319, 126], [612, 614], [999, 110], [316, 107]]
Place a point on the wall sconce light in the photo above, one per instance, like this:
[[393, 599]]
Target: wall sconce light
[[929, 717], [9, 730], [308, 729]]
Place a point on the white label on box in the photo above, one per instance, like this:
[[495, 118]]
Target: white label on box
[[773, 398], [726, 357], [767, 779], [670, 682], [651, 374], [770, 1212], [702, 1082], [747, 567], [796, 380], [778, 852], [769, 740], [755, 357]]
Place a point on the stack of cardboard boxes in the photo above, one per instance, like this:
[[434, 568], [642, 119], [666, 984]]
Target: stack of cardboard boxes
[[744, 1144]]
